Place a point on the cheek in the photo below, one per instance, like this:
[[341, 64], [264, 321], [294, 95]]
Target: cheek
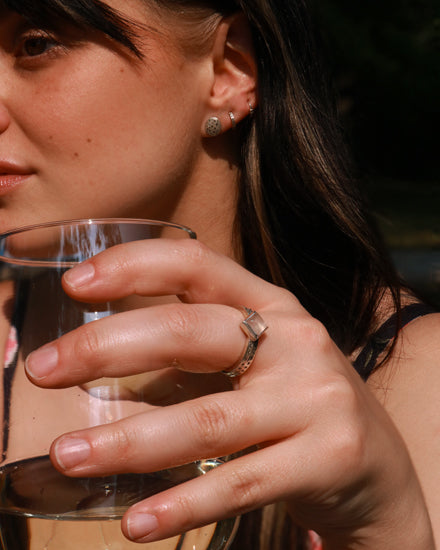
[[112, 124]]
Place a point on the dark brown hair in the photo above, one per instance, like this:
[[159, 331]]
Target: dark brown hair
[[301, 221]]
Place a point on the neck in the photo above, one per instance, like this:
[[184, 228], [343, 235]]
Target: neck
[[208, 204]]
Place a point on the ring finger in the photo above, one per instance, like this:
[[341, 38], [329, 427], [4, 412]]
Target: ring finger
[[196, 338]]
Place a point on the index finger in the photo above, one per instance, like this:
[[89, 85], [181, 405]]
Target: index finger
[[163, 267]]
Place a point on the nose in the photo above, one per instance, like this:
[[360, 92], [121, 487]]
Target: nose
[[5, 118]]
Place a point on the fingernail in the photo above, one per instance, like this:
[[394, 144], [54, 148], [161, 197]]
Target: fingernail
[[70, 452], [139, 526], [80, 275], [42, 362]]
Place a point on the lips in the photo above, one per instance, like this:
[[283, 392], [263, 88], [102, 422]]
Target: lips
[[11, 175]]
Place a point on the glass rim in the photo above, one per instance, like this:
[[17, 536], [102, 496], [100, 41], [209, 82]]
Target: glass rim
[[80, 222], [98, 221]]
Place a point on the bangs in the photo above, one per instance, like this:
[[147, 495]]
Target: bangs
[[47, 14]]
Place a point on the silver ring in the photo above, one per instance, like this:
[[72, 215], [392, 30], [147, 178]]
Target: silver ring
[[254, 327], [233, 121]]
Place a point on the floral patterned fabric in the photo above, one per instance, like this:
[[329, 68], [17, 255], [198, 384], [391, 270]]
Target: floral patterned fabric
[[11, 348], [315, 542]]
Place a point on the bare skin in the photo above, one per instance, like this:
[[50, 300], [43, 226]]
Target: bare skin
[[407, 388], [342, 463], [322, 410]]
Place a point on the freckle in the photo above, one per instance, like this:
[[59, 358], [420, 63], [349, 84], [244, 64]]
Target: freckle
[[51, 138], [89, 140], [122, 70], [76, 155]]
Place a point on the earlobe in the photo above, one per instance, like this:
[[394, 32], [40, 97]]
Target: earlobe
[[214, 127], [233, 92]]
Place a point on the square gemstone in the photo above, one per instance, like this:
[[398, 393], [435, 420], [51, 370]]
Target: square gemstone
[[254, 326]]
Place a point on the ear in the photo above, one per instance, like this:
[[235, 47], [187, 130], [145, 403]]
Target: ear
[[234, 70]]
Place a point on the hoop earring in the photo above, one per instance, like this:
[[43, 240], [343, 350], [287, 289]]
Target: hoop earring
[[233, 121], [213, 126]]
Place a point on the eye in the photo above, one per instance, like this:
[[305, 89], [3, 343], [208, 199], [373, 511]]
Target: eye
[[35, 44]]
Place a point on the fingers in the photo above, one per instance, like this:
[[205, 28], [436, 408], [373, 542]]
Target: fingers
[[214, 425], [227, 491], [263, 477], [281, 404], [311, 441], [191, 338], [160, 267], [218, 425], [196, 338], [202, 334]]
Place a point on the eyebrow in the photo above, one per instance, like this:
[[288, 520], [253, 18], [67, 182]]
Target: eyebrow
[[111, 23]]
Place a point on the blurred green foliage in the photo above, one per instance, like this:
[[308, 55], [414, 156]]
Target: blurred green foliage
[[385, 58]]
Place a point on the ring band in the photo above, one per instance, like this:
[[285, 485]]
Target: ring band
[[253, 326]]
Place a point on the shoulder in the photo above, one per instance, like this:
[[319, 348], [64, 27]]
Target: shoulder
[[408, 385], [419, 338], [415, 360]]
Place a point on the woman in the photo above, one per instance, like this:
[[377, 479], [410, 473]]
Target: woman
[[214, 114]]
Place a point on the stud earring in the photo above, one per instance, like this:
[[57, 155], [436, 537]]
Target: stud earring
[[213, 126], [233, 121], [251, 108]]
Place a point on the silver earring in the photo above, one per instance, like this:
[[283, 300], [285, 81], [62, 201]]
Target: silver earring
[[213, 126], [232, 117], [251, 108]]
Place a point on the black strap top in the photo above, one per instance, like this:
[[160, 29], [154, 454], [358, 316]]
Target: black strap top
[[378, 342]]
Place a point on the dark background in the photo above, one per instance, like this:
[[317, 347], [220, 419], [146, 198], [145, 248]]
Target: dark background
[[384, 57]]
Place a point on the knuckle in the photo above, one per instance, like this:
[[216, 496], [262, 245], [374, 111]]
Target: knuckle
[[313, 334], [114, 261], [336, 389], [212, 424], [193, 251], [184, 505], [182, 323], [87, 344], [349, 447], [349, 434], [199, 262], [123, 446], [121, 265], [245, 490], [285, 298]]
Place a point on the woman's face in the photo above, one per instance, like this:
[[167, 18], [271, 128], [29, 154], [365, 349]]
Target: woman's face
[[88, 130]]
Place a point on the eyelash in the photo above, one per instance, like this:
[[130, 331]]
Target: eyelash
[[50, 45]]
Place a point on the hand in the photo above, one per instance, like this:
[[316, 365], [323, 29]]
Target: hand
[[323, 442]]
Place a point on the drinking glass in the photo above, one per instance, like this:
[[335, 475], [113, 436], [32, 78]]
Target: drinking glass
[[40, 509]]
